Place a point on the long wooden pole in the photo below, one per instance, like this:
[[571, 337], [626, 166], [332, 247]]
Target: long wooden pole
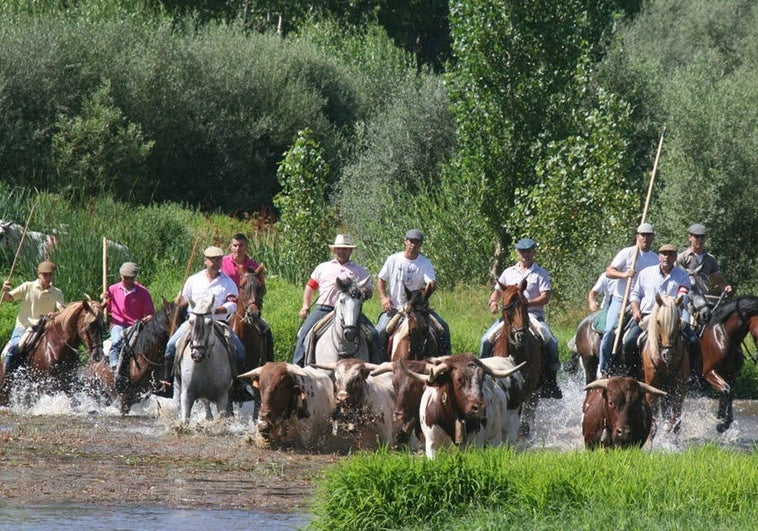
[[20, 246], [634, 258], [105, 272]]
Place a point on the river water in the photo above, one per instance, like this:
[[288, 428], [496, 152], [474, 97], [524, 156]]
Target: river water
[[558, 426]]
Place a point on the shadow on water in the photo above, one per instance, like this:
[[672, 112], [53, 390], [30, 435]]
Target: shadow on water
[[52, 517]]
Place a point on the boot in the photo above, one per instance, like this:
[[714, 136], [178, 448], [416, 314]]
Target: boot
[[168, 374], [549, 388]]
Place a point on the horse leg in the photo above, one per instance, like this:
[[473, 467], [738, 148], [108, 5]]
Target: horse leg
[[725, 414], [208, 411]]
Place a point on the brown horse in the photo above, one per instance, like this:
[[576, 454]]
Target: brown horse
[[517, 341], [665, 362], [416, 337], [247, 322], [54, 358], [586, 345], [720, 345]]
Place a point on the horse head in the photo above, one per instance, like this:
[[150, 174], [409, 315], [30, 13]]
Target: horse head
[[349, 307], [200, 327], [665, 327], [90, 326], [514, 314], [252, 290], [697, 303]]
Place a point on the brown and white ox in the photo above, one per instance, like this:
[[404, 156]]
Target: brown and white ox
[[363, 416], [616, 412], [296, 406], [408, 391], [462, 404]]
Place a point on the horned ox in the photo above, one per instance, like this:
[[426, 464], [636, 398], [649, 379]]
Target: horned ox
[[616, 412], [462, 404], [296, 406], [363, 416]]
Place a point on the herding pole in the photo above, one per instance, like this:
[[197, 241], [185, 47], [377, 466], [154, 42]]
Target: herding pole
[[634, 258], [20, 245], [105, 274]]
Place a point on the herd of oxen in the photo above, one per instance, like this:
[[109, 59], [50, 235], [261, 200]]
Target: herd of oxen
[[414, 400]]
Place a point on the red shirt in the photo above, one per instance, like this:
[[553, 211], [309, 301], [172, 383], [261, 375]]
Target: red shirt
[[229, 266]]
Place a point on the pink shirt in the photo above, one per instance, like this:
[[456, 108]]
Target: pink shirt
[[126, 307], [324, 279], [229, 266]]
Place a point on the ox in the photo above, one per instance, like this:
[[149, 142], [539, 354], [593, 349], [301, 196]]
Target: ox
[[408, 393], [616, 412], [363, 417], [10, 238], [296, 406], [462, 404]]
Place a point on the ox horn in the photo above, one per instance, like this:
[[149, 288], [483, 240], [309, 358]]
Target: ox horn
[[650, 389], [387, 366], [601, 383], [255, 373], [502, 373], [324, 366], [416, 376]]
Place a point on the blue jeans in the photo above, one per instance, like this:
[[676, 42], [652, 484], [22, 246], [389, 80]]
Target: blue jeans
[[609, 336], [314, 317], [485, 345], [550, 353], [116, 341], [11, 360], [174, 339]]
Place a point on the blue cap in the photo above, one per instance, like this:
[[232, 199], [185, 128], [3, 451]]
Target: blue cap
[[525, 243]]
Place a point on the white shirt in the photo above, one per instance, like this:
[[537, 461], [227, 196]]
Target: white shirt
[[222, 288], [398, 272], [537, 282], [623, 262]]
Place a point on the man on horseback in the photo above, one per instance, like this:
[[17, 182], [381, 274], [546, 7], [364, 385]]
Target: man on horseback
[[230, 266], [411, 270], [621, 270], [209, 282], [697, 261], [127, 302], [537, 293], [324, 280], [39, 299], [665, 279]]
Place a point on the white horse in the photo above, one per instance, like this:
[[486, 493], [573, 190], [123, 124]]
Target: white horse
[[344, 337], [205, 369]]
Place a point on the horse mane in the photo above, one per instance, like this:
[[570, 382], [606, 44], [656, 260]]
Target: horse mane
[[68, 312], [747, 304], [156, 330], [668, 315]]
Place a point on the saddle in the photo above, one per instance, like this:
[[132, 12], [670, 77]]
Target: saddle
[[598, 323], [32, 335], [222, 333]]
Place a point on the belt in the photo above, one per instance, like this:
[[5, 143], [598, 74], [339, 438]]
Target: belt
[[325, 307]]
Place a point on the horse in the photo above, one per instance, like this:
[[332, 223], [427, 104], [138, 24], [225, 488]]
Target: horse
[[698, 304], [516, 340], [141, 360], [665, 361], [414, 338], [54, 357], [248, 324], [204, 366], [720, 345], [586, 345], [343, 337]]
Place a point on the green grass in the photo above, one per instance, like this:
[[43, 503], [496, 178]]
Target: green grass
[[499, 488]]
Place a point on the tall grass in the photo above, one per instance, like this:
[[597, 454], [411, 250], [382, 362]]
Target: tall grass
[[700, 488]]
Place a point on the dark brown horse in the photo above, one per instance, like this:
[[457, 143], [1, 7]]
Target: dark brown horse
[[721, 344], [141, 360], [416, 335], [516, 340], [665, 361], [54, 358], [586, 345], [247, 322]]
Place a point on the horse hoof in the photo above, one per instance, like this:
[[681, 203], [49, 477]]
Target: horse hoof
[[721, 427]]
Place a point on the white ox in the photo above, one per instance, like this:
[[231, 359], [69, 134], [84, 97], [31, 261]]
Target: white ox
[[363, 417], [296, 406], [463, 404]]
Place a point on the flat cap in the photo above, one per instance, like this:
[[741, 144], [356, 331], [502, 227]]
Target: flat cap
[[645, 228], [213, 252], [525, 243], [46, 267], [414, 234], [696, 229], [667, 248]]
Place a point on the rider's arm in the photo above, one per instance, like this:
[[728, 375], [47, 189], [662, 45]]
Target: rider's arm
[[381, 287], [612, 272], [718, 278], [307, 298], [592, 300], [6, 291], [540, 300]]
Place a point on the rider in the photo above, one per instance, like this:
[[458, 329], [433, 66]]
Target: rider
[[239, 257], [38, 298], [537, 293], [696, 260], [620, 269], [211, 281], [412, 270], [665, 279], [324, 280], [603, 286], [127, 302]]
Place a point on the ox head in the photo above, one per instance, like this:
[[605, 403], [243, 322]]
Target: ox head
[[282, 396], [618, 415]]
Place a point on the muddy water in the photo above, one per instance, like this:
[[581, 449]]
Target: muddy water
[[73, 459]]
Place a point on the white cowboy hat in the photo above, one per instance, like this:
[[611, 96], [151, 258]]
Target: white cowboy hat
[[343, 241]]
